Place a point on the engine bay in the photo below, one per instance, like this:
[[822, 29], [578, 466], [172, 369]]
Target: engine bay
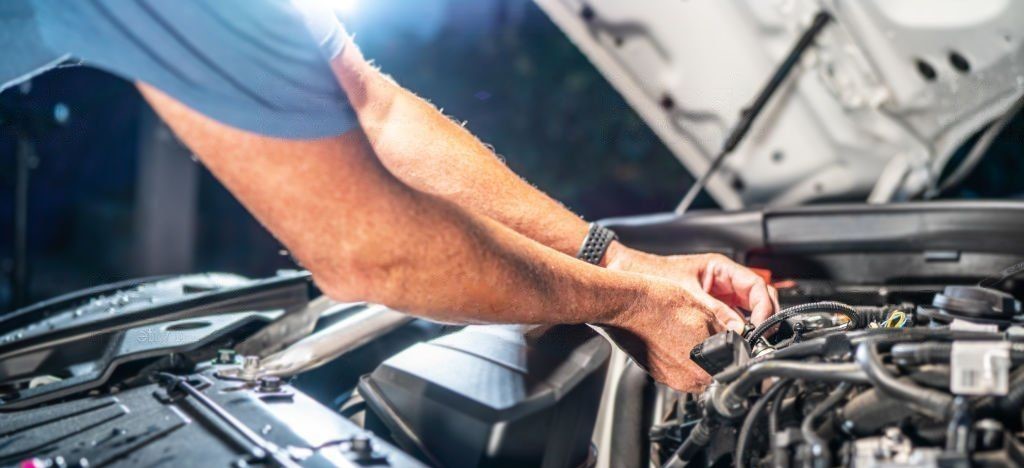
[[898, 344], [831, 384]]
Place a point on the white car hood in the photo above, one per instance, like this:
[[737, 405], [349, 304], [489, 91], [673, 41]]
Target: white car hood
[[857, 119]]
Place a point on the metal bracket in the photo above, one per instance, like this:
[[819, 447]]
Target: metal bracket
[[293, 325]]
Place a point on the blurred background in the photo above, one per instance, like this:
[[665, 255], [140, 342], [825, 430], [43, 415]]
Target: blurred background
[[112, 195]]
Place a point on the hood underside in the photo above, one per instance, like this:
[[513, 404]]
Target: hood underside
[[875, 110]]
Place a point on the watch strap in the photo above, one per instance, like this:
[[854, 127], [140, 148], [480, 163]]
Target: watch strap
[[596, 244]]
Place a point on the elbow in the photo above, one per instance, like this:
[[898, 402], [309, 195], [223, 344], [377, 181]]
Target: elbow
[[340, 290], [357, 279]]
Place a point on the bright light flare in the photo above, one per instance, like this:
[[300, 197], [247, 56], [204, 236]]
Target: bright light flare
[[343, 7]]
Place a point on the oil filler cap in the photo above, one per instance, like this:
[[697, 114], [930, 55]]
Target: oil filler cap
[[977, 302]]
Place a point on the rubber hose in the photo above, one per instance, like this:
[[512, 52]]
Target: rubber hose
[[804, 309], [930, 402], [939, 353], [819, 446], [729, 401], [871, 410], [882, 336], [752, 417], [1011, 403], [699, 437], [780, 453]]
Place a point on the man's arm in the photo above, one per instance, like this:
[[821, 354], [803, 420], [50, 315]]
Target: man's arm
[[431, 153], [366, 236]]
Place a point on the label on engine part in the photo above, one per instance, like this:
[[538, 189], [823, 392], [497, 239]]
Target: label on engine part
[[964, 325], [980, 368]]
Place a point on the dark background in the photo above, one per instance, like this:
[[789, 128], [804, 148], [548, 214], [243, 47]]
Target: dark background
[[500, 65]]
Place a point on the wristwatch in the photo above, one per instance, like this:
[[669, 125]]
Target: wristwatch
[[596, 244]]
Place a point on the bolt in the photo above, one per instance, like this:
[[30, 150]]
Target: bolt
[[225, 356], [250, 368], [270, 384], [361, 444], [361, 449], [250, 363]]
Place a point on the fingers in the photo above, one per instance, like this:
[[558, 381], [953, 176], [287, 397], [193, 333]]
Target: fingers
[[740, 287], [726, 318]]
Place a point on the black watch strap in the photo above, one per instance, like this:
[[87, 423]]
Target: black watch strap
[[596, 244]]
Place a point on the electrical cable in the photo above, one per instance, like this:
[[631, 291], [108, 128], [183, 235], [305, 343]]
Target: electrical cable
[[748, 115], [897, 319], [803, 309]]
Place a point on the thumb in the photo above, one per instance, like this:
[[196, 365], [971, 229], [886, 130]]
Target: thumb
[[726, 317]]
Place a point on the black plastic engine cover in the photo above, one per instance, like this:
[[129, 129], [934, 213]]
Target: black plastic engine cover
[[142, 426], [493, 396]]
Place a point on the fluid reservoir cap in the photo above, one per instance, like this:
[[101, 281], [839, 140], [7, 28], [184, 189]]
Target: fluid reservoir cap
[[976, 301]]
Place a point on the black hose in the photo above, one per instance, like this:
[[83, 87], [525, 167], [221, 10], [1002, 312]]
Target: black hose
[[958, 432], [870, 411], [1011, 403], [930, 402], [881, 336], [729, 401], [699, 438], [776, 410], [804, 309], [939, 353], [755, 413], [819, 446], [780, 453]]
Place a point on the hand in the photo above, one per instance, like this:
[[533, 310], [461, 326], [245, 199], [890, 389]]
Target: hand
[[735, 286], [663, 325]]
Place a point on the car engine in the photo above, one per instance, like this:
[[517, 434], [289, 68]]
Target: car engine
[[826, 383], [890, 350]]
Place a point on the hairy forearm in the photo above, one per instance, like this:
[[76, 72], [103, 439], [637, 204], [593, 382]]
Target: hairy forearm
[[430, 152], [366, 236]]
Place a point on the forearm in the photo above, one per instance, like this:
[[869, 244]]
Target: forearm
[[431, 153], [366, 236]]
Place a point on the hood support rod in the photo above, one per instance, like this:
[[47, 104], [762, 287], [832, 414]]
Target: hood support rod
[[749, 114]]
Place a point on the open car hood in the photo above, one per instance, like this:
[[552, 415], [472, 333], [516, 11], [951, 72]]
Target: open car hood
[[874, 111]]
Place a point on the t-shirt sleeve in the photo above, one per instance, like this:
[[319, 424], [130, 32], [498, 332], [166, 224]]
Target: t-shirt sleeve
[[257, 65], [323, 24]]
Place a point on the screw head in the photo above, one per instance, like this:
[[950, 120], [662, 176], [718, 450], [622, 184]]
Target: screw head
[[225, 356], [250, 363], [270, 383]]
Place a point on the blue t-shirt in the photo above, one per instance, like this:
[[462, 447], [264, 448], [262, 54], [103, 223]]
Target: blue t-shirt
[[258, 65]]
